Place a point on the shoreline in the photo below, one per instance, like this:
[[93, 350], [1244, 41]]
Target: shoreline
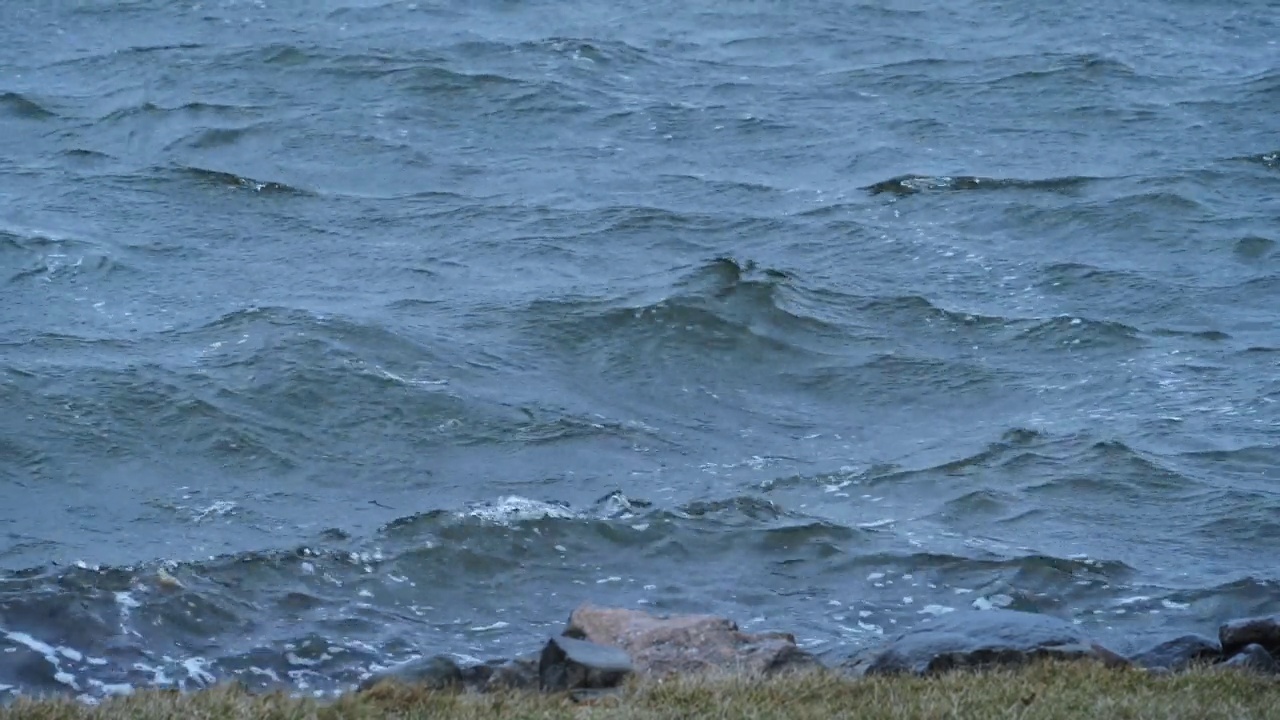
[[1047, 689], [607, 655]]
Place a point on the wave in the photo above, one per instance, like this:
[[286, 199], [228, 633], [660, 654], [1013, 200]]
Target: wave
[[322, 615], [56, 257], [20, 106], [912, 184], [723, 306], [226, 179]]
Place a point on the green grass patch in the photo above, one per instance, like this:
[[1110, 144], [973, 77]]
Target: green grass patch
[[1045, 690]]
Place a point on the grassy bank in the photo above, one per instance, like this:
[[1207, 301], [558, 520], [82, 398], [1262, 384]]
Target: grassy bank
[[1042, 691]]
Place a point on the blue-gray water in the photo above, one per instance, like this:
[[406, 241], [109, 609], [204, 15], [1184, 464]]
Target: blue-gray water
[[335, 332]]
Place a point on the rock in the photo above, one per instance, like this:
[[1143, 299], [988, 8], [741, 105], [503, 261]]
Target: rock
[[439, 672], [1179, 653], [980, 638], [1253, 657], [570, 664], [477, 676], [687, 643], [1237, 634], [519, 673]]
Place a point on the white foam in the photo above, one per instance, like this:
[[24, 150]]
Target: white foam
[[264, 672], [71, 654], [936, 610], [496, 626], [157, 674], [876, 523], [303, 662], [871, 628], [408, 381], [514, 508], [24, 639], [999, 600], [1175, 605], [1133, 600], [112, 688], [195, 668], [219, 508]]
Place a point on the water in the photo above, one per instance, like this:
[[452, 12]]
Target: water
[[335, 333]]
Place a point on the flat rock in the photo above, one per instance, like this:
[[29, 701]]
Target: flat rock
[[570, 664], [1237, 634], [1179, 653], [687, 643], [979, 638], [1255, 658], [438, 672]]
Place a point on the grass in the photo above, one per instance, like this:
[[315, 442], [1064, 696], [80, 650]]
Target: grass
[[1045, 690]]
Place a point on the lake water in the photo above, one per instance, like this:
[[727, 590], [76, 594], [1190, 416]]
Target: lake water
[[340, 331]]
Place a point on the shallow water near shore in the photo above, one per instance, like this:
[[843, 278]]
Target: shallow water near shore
[[336, 333]]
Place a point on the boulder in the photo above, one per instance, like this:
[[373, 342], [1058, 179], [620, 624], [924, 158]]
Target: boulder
[[980, 639], [1237, 634], [519, 673], [438, 672], [570, 664], [1179, 653], [1253, 657], [687, 643]]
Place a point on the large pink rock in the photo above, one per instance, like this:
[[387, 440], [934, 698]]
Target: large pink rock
[[687, 643]]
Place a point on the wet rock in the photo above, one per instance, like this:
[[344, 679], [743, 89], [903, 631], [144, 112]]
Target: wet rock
[[519, 673], [1179, 653], [439, 672], [1238, 634], [1253, 657], [977, 639], [570, 664], [476, 676], [687, 643]]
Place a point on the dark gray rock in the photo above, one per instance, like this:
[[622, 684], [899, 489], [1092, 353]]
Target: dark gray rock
[[1254, 658], [1237, 634], [519, 673], [1179, 653], [570, 664], [439, 672], [978, 639]]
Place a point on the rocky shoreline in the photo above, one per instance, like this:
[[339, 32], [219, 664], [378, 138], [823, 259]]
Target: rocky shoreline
[[601, 647]]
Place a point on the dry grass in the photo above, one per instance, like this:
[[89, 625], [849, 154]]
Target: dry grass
[[1049, 690]]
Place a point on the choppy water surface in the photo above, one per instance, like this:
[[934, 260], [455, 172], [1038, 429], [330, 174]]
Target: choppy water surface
[[336, 332]]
